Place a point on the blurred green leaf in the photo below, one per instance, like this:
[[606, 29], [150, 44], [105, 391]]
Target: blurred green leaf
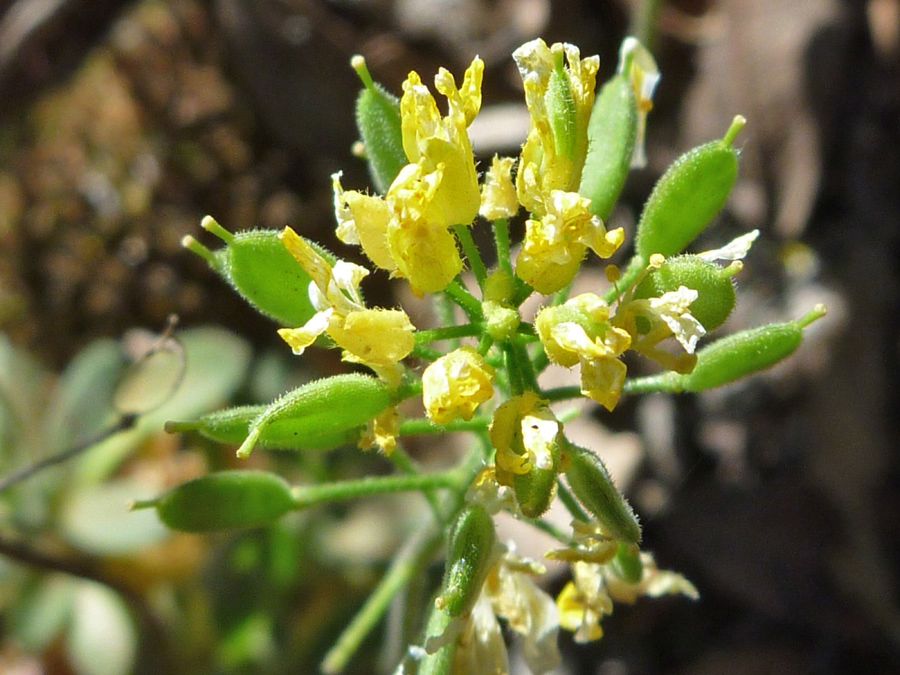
[[101, 639], [42, 612], [97, 519], [217, 362], [82, 405]]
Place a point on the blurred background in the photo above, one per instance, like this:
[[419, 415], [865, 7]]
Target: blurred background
[[124, 122]]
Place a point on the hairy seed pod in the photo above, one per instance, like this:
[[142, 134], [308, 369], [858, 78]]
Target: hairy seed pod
[[378, 121], [594, 488], [328, 406], [224, 500], [283, 433], [713, 282], [611, 136], [470, 555], [689, 196], [258, 266], [741, 354]]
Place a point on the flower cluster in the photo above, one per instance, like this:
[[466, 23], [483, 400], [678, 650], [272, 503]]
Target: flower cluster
[[580, 146]]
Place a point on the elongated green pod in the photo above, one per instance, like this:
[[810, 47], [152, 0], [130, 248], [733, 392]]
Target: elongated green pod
[[283, 433], [611, 137], [323, 407], [594, 488], [737, 355], [378, 121], [713, 282], [470, 555], [689, 196], [258, 266], [224, 500]]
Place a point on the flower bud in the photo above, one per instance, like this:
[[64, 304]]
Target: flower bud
[[258, 266], [688, 196], [285, 432], [712, 282], [224, 500], [470, 556], [378, 121], [328, 406], [594, 488]]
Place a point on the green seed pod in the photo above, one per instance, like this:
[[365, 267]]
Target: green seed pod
[[283, 433], [611, 136], [561, 110], [592, 484], [224, 500], [323, 407], [689, 196], [258, 266], [535, 490], [378, 121], [713, 282], [627, 564], [470, 555], [741, 354]]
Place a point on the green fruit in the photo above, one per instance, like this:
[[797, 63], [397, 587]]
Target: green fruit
[[224, 500], [714, 284], [611, 137], [594, 488], [470, 556], [689, 196]]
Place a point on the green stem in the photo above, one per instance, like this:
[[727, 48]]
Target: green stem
[[484, 344], [501, 240], [652, 384], [448, 333], [516, 385], [405, 463], [562, 393], [526, 367], [472, 253], [308, 495], [645, 22], [409, 562], [420, 426], [465, 300]]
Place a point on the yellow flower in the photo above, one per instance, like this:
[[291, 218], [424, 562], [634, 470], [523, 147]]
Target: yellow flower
[[419, 242], [378, 338], [560, 105], [382, 432], [407, 232], [556, 244], [430, 140], [363, 221], [589, 597], [578, 332], [455, 385], [523, 433], [498, 195]]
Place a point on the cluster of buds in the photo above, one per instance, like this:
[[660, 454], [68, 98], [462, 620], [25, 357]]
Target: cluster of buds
[[482, 376]]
